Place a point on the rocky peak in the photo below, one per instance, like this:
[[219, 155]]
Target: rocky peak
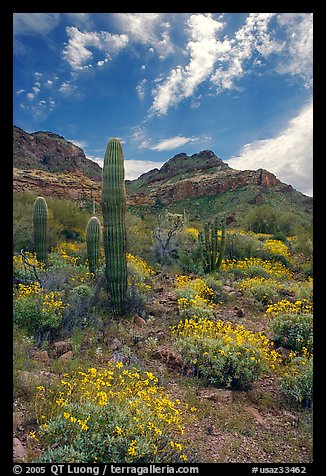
[[185, 164], [51, 152]]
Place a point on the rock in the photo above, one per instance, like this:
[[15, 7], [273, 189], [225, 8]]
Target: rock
[[139, 321], [239, 312], [18, 418], [42, 357], [254, 412], [19, 453], [66, 356], [115, 344], [218, 395], [170, 356], [27, 379], [283, 352], [227, 288], [61, 347]]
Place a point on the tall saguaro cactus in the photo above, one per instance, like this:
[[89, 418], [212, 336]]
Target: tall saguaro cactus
[[93, 242], [114, 226], [40, 228]]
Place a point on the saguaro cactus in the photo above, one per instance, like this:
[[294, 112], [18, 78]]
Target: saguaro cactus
[[114, 227], [93, 242], [40, 228]]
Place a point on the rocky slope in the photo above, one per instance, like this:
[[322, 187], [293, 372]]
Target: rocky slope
[[46, 164]]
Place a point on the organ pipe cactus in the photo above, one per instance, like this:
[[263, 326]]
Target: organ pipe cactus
[[40, 228], [93, 241], [213, 245], [114, 226]]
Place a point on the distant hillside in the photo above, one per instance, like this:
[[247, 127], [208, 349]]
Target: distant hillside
[[47, 164], [52, 153]]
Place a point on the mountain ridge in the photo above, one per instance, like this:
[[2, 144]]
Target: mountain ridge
[[48, 164]]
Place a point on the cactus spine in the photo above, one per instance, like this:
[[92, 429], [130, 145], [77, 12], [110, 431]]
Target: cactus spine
[[93, 240], [114, 227], [214, 247], [40, 228]]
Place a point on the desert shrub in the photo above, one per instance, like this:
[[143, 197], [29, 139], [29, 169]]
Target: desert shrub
[[266, 219], [273, 249], [294, 331], [296, 382], [113, 414], [263, 290], [223, 355], [301, 306], [252, 267], [37, 310], [79, 313], [68, 219], [239, 246], [194, 297]]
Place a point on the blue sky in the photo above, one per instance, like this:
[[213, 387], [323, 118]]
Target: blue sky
[[239, 84]]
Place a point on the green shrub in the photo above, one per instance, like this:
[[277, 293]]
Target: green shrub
[[224, 355], [37, 310], [293, 331], [296, 384], [266, 219]]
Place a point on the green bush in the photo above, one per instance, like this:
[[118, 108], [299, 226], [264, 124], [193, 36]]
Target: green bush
[[241, 246], [37, 311], [296, 384], [293, 331], [266, 219]]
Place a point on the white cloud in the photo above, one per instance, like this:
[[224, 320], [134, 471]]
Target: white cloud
[[298, 60], [79, 143], [30, 96], [20, 91], [76, 52], [140, 88], [67, 88], [148, 29], [221, 61], [289, 155], [167, 144], [37, 23], [203, 49], [134, 168]]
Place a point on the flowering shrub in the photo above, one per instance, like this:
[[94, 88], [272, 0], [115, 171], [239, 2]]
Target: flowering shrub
[[112, 414], [296, 382], [139, 272], [302, 306], [194, 297], [294, 331], [36, 309], [192, 232], [222, 354], [277, 248], [264, 290], [252, 266], [25, 272]]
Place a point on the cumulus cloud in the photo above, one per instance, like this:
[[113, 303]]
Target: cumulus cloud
[[167, 144], [148, 29], [133, 168], [77, 50], [223, 60], [298, 59], [203, 48], [289, 155]]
